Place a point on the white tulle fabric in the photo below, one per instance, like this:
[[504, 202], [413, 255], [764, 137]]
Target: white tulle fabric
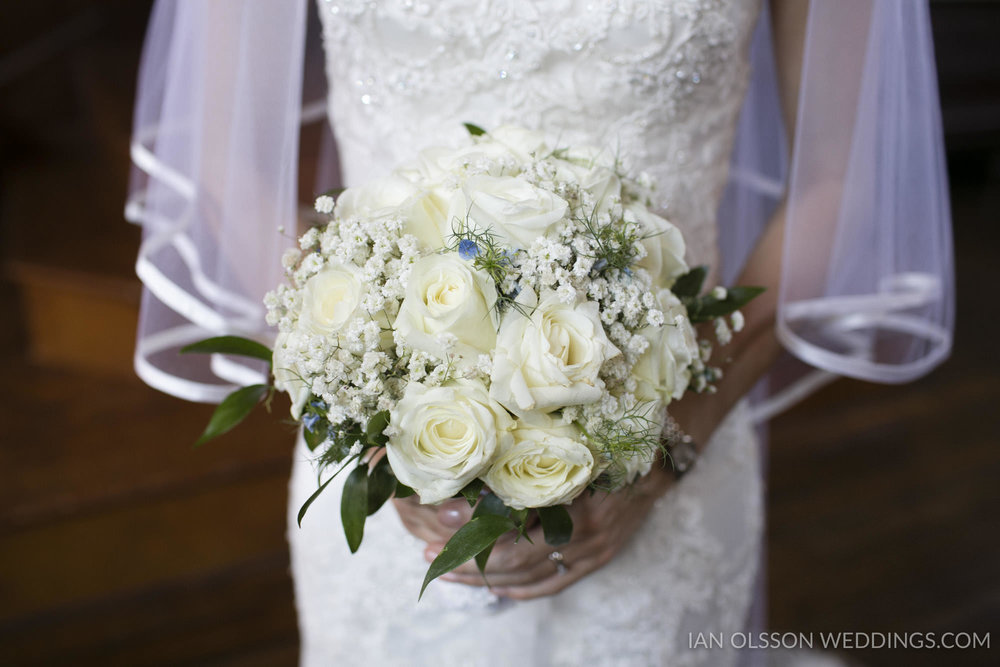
[[215, 152], [866, 285]]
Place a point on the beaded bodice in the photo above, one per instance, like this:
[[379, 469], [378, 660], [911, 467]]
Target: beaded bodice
[[660, 81]]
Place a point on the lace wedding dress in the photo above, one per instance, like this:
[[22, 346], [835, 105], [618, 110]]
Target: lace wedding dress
[[662, 82]]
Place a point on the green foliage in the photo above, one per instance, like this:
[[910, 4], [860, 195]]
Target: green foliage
[[708, 307], [557, 525], [474, 130], [354, 506], [689, 285], [309, 501], [374, 428], [332, 192], [634, 433], [316, 429], [403, 491], [233, 409], [491, 504], [471, 491], [381, 485], [243, 347], [491, 257], [479, 534], [615, 241]]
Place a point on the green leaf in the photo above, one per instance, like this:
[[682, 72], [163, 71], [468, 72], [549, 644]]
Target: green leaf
[[403, 491], [491, 504], [237, 345], [557, 525], [314, 496], [354, 506], [233, 409], [520, 517], [381, 484], [471, 491], [481, 558], [377, 424], [689, 285], [707, 307], [470, 540], [474, 130], [318, 434]]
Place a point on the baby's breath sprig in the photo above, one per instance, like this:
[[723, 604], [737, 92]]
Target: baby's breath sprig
[[616, 243]]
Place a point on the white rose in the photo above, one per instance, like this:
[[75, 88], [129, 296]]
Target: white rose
[[664, 245], [511, 208], [424, 210], [374, 197], [551, 357], [589, 169], [546, 465], [426, 215], [287, 376], [445, 437], [526, 144], [331, 298], [662, 372], [440, 164], [605, 186], [446, 295]]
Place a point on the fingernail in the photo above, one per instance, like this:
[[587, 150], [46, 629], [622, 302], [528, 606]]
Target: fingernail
[[451, 517], [430, 554]]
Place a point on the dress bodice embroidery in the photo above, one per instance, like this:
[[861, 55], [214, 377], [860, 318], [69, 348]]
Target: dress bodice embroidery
[[659, 81]]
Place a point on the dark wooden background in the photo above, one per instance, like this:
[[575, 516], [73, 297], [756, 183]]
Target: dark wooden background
[[119, 545]]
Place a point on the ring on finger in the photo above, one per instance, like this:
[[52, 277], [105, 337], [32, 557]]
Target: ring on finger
[[560, 561]]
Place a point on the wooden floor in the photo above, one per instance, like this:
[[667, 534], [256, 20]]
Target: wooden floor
[[120, 545]]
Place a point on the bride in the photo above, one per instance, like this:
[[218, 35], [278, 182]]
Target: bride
[[850, 236]]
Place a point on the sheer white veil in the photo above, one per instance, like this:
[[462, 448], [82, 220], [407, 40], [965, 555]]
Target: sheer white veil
[[867, 269], [215, 155], [867, 286]]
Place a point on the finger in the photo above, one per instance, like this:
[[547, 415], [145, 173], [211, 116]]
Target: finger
[[492, 579], [549, 585], [422, 521], [509, 556], [454, 514]]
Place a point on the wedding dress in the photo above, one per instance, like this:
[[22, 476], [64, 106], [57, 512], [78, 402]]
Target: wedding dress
[[661, 83]]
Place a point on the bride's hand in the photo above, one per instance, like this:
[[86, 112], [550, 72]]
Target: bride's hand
[[602, 524]]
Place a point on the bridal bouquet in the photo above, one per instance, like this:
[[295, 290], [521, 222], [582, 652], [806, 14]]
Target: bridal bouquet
[[503, 321]]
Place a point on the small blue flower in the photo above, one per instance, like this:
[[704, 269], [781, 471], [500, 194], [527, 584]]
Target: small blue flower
[[599, 266], [309, 421], [467, 249]]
